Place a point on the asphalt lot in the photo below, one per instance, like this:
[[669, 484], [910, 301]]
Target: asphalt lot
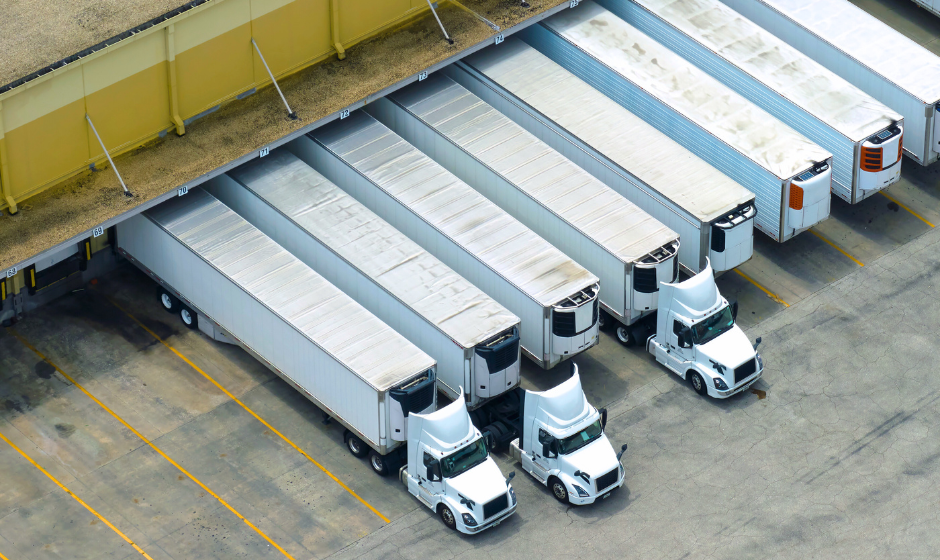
[[120, 428]]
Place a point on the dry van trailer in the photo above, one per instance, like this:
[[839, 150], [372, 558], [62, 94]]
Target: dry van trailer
[[932, 6], [865, 52], [553, 296], [713, 215], [788, 173], [626, 248], [863, 135], [237, 285], [473, 339]]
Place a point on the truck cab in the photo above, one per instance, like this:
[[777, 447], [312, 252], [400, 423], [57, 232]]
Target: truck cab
[[698, 339], [450, 471], [563, 444]]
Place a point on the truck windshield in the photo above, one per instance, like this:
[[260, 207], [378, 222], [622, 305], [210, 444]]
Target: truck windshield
[[580, 439], [463, 459], [712, 327]]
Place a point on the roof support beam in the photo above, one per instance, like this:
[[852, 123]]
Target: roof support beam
[[5, 184], [171, 80], [107, 155]]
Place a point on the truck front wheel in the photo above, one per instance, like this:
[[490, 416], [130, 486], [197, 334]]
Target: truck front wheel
[[447, 516], [378, 463], [697, 383], [558, 490]]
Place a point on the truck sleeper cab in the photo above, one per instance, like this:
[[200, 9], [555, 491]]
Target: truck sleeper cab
[[697, 338], [563, 444], [450, 471]]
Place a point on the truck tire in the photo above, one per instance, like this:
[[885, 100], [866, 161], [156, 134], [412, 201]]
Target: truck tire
[[625, 336], [604, 320], [559, 491], [698, 384], [356, 446], [447, 516], [167, 300], [378, 464], [188, 317]]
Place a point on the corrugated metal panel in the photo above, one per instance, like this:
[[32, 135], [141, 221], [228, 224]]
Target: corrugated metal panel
[[768, 188], [399, 266], [291, 290], [768, 72], [491, 235]]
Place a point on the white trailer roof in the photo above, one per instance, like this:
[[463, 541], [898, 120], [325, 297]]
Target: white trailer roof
[[614, 223], [639, 148], [291, 290], [378, 250], [777, 65], [462, 214], [665, 75], [869, 41]]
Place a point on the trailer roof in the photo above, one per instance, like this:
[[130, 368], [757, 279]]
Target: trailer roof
[[614, 223], [665, 75], [292, 290], [777, 65], [869, 41], [378, 250], [657, 160], [457, 211]]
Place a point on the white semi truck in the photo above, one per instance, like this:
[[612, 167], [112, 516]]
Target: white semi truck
[[697, 338], [867, 53], [789, 174], [781, 80], [554, 296], [630, 251], [713, 214], [474, 339], [222, 275]]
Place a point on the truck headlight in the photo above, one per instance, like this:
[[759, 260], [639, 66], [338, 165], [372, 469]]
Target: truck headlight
[[582, 493], [720, 384], [760, 362], [512, 494], [468, 520]]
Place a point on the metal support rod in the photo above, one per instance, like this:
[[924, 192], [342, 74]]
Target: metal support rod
[[107, 155], [334, 30], [433, 11], [290, 113]]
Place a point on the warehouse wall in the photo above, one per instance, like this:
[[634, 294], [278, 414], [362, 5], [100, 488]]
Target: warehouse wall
[[192, 63]]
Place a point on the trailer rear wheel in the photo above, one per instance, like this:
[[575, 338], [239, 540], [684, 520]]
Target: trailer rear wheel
[[188, 316], [604, 320], [558, 490], [167, 301], [697, 382], [356, 447], [447, 516], [625, 336], [378, 464]]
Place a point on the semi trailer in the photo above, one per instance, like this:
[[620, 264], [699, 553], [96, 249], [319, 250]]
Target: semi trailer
[[630, 251], [225, 277], [553, 296], [868, 54], [788, 173], [863, 135], [473, 339], [713, 214], [932, 6]]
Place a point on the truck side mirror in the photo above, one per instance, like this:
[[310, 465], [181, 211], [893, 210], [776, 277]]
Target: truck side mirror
[[623, 450], [603, 412], [756, 343], [685, 338], [434, 470], [734, 311]]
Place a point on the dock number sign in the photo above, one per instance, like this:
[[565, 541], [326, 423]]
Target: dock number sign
[[499, 39], [182, 190], [97, 232], [11, 272], [343, 114], [422, 76]]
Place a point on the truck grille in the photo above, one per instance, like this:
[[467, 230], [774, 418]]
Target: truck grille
[[606, 480], [495, 506], [745, 370]]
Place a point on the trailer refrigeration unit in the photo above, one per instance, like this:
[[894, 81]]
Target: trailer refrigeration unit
[[474, 339], [863, 135], [868, 54], [788, 173], [713, 215], [238, 286], [554, 297], [629, 250]]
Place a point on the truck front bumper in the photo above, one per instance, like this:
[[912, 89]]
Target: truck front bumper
[[492, 522], [735, 390], [579, 501]]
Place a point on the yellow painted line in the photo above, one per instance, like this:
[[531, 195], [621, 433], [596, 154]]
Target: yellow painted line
[[148, 442], [837, 248], [77, 499], [2, 557], [915, 214], [260, 419], [770, 294]]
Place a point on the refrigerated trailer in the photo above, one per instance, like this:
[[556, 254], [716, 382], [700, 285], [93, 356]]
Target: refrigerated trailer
[[713, 215], [555, 297], [474, 339], [630, 251], [788, 173], [865, 52], [863, 135]]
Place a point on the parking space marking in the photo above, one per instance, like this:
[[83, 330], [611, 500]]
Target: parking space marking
[[250, 411], [837, 248], [77, 499], [770, 294], [148, 442], [902, 205], [2, 557]]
